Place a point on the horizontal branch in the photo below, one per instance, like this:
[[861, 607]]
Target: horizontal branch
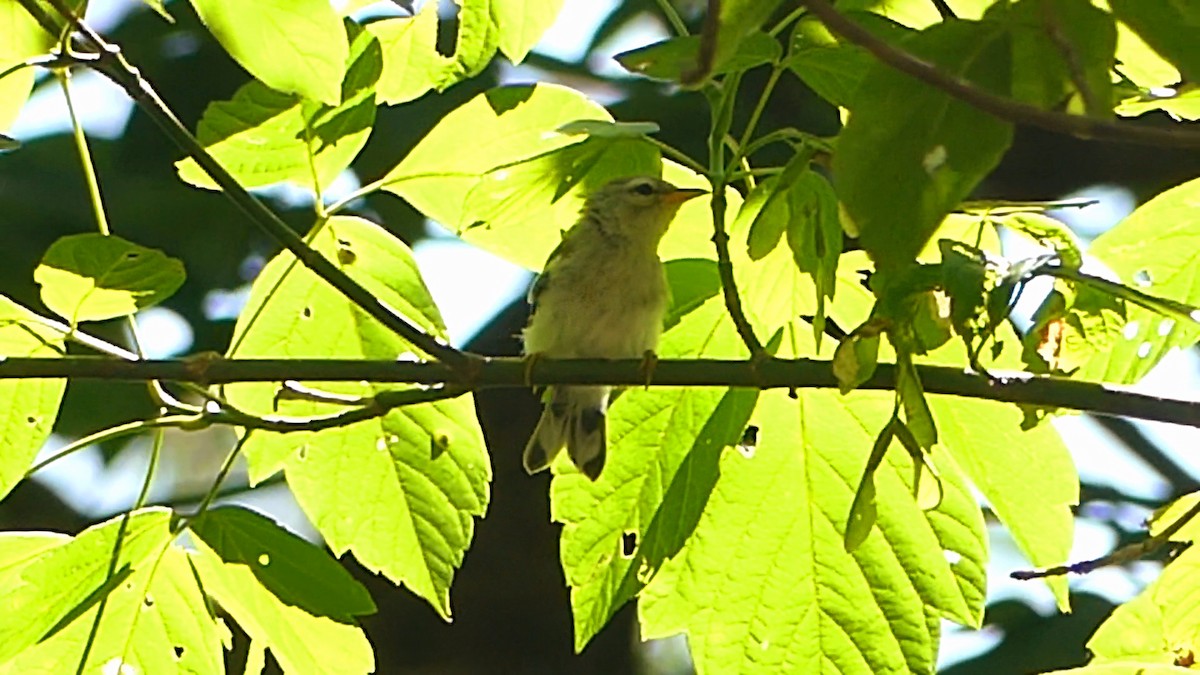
[[998, 106], [1092, 397]]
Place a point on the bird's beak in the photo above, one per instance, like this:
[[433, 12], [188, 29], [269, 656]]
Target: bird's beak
[[681, 195]]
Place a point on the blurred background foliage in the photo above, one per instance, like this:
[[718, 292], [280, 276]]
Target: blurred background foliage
[[510, 600]]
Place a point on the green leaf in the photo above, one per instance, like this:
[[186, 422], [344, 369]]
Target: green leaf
[[292, 46], [288, 595], [498, 165], [1126, 666], [1168, 26], [1137, 250], [1154, 627], [1056, 42], [156, 621], [22, 38], [917, 415], [30, 405], [855, 360], [1049, 232], [477, 40], [522, 23], [1138, 62], [1027, 476], [1071, 327], [916, 13], [691, 282], [411, 62], [66, 580], [421, 471], [737, 22], [801, 203], [1185, 105], [911, 153], [603, 129], [831, 68], [863, 512], [295, 571], [814, 235], [93, 277], [785, 595], [672, 58], [262, 136], [664, 445]]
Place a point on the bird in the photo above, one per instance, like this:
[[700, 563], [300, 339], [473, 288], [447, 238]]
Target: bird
[[601, 294]]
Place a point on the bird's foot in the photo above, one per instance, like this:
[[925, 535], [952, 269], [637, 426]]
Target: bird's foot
[[646, 369], [530, 361]]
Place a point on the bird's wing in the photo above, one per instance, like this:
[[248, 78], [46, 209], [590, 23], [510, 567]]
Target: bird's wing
[[542, 281]]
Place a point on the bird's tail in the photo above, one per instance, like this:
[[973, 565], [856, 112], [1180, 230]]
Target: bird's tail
[[574, 417]]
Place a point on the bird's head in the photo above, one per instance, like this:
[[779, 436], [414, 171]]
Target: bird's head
[[638, 207]]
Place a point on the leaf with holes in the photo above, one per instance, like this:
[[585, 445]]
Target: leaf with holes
[[422, 470], [663, 450], [30, 405], [156, 621], [54, 589], [262, 136], [93, 277], [785, 594], [288, 595], [1156, 249]]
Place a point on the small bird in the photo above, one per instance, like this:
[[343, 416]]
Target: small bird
[[602, 294]]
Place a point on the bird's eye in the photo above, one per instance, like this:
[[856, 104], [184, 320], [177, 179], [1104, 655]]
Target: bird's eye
[[644, 189]]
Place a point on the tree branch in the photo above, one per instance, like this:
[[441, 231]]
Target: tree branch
[[769, 373], [108, 60], [998, 106]]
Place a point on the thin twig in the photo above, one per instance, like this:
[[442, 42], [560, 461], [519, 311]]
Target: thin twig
[[944, 10], [1120, 556], [998, 106]]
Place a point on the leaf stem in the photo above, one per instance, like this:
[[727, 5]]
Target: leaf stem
[[113, 433], [222, 474], [786, 21], [85, 156], [678, 155], [672, 17]]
